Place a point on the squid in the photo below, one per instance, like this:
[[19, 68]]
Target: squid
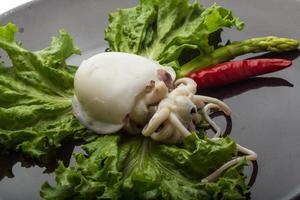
[[119, 91]]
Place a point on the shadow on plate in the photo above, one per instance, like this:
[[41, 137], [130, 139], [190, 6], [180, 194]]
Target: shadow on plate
[[254, 173], [228, 126], [290, 55], [225, 92], [9, 159]]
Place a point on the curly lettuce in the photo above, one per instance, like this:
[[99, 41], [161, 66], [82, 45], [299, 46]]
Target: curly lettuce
[[165, 30], [35, 96], [117, 167]]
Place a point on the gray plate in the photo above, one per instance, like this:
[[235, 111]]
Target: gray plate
[[266, 110]]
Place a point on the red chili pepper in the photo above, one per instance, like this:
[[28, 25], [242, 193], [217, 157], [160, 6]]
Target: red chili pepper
[[233, 71]]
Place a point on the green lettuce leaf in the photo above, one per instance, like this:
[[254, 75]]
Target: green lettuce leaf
[[117, 167], [35, 96], [166, 30]]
